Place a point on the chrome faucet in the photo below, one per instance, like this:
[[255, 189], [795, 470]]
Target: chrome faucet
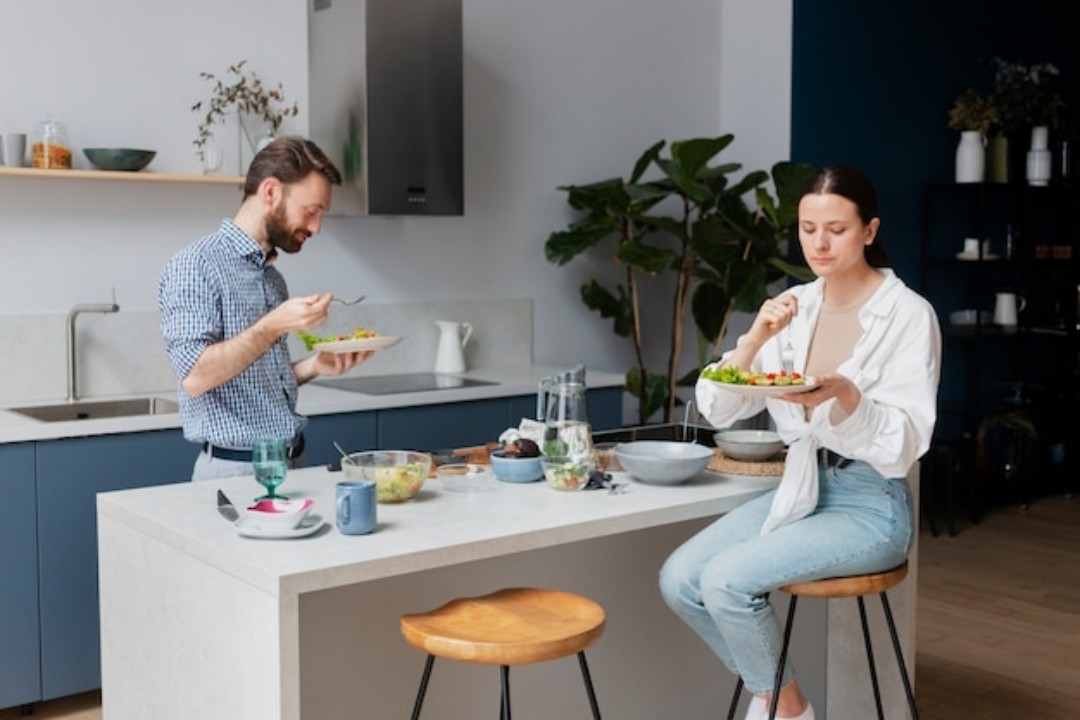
[[74, 313]]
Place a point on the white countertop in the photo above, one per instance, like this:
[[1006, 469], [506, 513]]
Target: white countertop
[[314, 400], [435, 529]]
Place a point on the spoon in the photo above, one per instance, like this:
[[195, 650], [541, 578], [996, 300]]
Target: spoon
[[344, 455]]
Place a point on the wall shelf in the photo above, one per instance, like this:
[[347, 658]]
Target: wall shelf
[[140, 176]]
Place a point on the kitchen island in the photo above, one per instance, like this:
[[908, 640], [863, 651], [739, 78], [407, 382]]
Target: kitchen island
[[200, 622], [49, 597]]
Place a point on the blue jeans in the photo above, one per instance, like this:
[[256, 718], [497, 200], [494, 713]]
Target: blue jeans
[[717, 581]]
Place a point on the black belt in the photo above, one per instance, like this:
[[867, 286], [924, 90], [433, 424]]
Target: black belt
[[831, 459], [293, 451]]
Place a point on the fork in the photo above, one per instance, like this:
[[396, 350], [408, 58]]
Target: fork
[[787, 355], [348, 303]]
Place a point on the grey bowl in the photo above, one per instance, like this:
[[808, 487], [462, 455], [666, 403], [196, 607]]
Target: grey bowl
[[123, 159], [662, 462], [749, 445]]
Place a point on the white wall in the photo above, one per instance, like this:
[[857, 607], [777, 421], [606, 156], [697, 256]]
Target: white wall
[[556, 92]]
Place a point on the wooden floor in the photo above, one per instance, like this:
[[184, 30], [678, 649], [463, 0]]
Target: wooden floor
[[999, 616], [999, 621]]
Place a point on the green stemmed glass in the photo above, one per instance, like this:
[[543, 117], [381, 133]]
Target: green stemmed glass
[[271, 463]]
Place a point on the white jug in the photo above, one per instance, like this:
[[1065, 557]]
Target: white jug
[[1006, 307], [453, 337]]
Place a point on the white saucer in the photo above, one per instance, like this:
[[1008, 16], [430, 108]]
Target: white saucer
[[968, 257], [246, 527]]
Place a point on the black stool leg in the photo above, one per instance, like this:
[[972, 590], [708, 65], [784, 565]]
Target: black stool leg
[[783, 657], [870, 658], [899, 657], [423, 687], [735, 699], [588, 685], [504, 674]]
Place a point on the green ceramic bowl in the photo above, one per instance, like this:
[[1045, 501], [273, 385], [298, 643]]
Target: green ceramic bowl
[[125, 159]]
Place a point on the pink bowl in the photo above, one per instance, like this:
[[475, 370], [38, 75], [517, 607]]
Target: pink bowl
[[279, 514]]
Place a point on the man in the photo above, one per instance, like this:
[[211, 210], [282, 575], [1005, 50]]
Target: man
[[226, 314]]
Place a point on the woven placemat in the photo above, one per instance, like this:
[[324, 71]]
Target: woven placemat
[[723, 464]]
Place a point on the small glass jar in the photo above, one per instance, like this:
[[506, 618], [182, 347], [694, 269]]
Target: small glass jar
[[51, 148]]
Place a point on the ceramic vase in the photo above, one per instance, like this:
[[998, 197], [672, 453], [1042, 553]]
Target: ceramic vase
[[1038, 157], [997, 159], [970, 157]]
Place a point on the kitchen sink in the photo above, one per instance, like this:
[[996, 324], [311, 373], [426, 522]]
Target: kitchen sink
[[98, 409]]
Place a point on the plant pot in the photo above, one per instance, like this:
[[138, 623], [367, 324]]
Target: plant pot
[[1038, 157], [971, 157], [997, 159]]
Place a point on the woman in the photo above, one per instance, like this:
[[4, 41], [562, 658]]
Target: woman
[[872, 347]]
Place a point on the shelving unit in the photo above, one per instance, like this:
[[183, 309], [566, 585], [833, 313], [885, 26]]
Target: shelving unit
[[140, 176], [995, 379]]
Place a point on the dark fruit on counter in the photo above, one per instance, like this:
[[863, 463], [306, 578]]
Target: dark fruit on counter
[[522, 447]]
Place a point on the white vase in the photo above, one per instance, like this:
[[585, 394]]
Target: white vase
[[1038, 157], [971, 157]]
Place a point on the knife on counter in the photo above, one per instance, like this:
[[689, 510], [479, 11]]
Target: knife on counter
[[226, 508]]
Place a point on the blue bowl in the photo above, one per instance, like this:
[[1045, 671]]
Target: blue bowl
[[124, 159], [516, 469]]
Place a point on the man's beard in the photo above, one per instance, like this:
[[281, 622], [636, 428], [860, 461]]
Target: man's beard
[[280, 236]]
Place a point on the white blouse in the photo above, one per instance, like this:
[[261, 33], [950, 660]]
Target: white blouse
[[896, 365]]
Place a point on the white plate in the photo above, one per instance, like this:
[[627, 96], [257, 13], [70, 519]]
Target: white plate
[[343, 346], [246, 527], [767, 390], [966, 256]]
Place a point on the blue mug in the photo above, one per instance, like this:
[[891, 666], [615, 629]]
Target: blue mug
[[355, 507]]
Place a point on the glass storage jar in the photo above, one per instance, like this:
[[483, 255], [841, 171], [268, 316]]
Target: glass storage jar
[[51, 148]]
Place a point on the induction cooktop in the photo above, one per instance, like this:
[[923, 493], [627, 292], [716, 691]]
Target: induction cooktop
[[403, 383]]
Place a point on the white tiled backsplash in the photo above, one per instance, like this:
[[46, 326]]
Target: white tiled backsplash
[[123, 353]]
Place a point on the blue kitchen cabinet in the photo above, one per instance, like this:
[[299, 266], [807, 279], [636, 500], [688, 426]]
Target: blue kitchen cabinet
[[435, 427], [463, 424], [354, 432], [604, 405], [20, 658], [70, 473], [605, 408]]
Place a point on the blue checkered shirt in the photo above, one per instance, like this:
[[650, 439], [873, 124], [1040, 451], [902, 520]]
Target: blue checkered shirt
[[210, 291]]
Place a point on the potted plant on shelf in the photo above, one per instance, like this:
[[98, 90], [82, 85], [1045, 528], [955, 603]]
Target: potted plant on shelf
[[723, 252], [1026, 95], [973, 114], [245, 94], [1029, 105]]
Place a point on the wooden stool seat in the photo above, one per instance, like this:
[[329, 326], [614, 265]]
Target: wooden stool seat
[[849, 586], [856, 586], [514, 626]]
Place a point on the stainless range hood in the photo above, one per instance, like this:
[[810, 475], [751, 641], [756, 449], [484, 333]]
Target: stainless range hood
[[385, 92]]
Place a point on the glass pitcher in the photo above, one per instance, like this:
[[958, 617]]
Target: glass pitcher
[[560, 405]]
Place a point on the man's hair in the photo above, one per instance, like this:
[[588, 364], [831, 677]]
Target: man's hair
[[290, 159]]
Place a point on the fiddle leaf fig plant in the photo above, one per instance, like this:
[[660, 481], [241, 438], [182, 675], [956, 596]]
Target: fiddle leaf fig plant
[[723, 252]]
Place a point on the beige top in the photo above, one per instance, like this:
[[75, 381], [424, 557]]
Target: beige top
[[840, 326]]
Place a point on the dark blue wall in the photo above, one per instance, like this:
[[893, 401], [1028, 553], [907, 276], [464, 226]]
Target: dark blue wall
[[873, 83]]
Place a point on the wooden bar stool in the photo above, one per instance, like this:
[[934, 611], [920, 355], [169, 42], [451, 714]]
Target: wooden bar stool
[[515, 626], [856, 586]]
